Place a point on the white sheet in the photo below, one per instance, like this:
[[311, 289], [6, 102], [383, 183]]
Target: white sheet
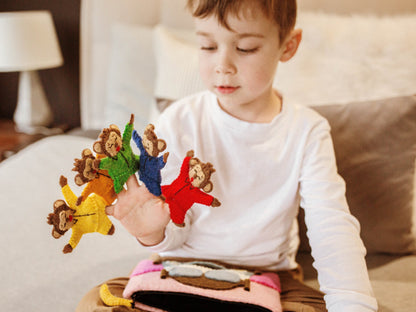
[[35, 274]]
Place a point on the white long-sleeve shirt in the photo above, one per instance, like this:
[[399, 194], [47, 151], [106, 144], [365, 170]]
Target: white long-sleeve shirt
[[264, 171]]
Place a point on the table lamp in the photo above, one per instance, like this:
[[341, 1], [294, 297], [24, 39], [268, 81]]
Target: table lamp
[[28, 42]]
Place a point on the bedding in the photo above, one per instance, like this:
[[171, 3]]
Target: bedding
[[36, 275]]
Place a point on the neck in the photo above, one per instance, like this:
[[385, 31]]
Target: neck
[[262, 110]]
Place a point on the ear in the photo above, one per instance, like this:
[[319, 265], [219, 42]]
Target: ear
[[97, 148], [291, 44], [86, 152], [58, 203], [78, 180], [55, 234], [149, 127], [193, 162], [208, 187], [114, 127], [161, 145]]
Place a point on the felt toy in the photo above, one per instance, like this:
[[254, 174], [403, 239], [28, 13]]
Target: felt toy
[[191, 186], [98, 181], [111, 300], [120, 162], [150, 165], [202, 285], [87, 217]]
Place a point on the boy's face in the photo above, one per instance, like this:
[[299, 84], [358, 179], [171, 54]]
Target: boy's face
[[239, 65]]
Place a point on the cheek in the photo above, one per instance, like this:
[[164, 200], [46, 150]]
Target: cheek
[[259, 74], [205, 69]]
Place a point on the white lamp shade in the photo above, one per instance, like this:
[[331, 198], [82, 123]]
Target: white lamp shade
[[28, 41]]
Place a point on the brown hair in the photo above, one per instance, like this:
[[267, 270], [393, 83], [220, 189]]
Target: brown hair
[[283, 12]]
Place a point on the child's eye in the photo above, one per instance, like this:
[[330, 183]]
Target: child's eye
[[208, 48], [247, 51]]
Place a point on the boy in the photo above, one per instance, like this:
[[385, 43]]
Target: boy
[[270, 157]]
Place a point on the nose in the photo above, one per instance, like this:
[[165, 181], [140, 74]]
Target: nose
[[225, 64]]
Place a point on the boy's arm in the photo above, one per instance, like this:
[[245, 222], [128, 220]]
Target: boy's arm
[[332, 231]]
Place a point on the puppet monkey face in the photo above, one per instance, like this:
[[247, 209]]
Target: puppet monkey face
[[66, 220], [148, 145], [113, 144], [197, 175], [89, 171]]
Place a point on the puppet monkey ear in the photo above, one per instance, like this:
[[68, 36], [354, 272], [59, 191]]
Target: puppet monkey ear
[[208, 187], [98, 148], [114, 127], [86, 152], [58, 203], [161, 145], [78, 180], [193, 162], [55, 234], [149, 127]]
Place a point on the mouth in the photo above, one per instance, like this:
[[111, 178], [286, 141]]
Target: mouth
[[226, 89]]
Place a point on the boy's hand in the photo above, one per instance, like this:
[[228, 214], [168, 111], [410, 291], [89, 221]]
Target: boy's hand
[[144, 215]]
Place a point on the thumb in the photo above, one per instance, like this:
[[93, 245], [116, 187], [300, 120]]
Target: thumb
[[109, 210]]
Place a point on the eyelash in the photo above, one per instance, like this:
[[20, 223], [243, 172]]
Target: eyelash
[[244, 51]]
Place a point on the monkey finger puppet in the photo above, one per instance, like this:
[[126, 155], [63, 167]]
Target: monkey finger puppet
[[120, 161], [98, 181], [150, 164], [88, 217], [191, 186]]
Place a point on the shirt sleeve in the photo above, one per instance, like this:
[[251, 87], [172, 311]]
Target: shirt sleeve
[[337, 249]]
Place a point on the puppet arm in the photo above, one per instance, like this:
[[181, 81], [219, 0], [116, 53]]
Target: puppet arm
[[185, 168], [70, 197], [75, 238], [204, 198], [161, 163], [127, 133], [138, 140]]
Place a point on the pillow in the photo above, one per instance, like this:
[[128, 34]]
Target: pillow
[[375, 146], [131, 75], [372, 58], [177, 64]]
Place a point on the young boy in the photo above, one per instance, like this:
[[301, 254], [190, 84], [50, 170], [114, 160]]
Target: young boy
[[270, 157]]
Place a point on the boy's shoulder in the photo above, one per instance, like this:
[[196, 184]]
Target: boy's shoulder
[[307, 113], [191, 103]]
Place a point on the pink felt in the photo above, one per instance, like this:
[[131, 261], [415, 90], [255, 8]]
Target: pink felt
[[258, 295], [146, 266], [268, 279]]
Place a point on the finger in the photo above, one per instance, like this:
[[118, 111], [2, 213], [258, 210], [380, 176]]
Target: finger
[[132, 182], [109, 210]]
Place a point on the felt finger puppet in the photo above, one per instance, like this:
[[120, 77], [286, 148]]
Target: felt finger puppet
[[98, 181], [88, 217], [150, 164], [191, 186], [120, 161]]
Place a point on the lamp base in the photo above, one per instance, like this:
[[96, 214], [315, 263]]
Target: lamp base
[[32, 113]]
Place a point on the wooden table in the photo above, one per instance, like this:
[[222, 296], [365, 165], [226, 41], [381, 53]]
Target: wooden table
[[12, 141]]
